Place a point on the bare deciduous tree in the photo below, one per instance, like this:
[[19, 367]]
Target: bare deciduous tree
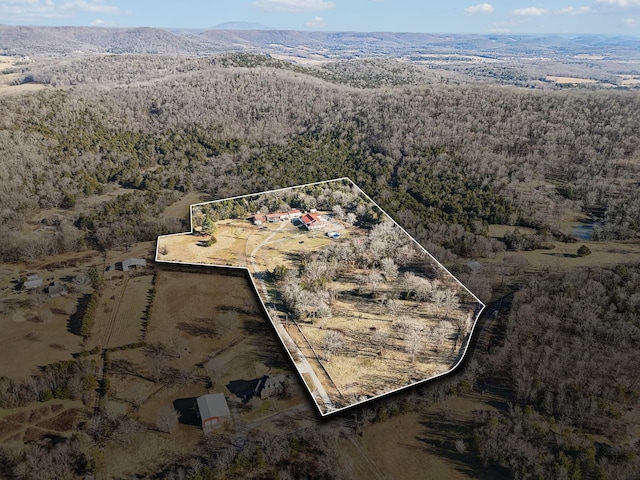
[[333, 341]]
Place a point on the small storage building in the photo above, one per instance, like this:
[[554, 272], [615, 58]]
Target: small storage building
[[214, 411]]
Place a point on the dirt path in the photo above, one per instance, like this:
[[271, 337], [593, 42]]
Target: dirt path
[[303, 365], [114, 315]]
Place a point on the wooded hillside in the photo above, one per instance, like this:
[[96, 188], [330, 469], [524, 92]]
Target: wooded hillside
[[445, 161]]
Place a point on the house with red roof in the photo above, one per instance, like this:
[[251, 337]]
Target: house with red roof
[[312, 221]]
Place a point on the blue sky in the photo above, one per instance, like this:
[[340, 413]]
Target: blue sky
[[448, 16]]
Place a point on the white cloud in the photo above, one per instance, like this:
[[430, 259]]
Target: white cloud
[[481, 8], [619, 3], [615, 6], [292, 5], [574, 11], [34, 9], [597, 7], [530, 12], [629, 22], [316, 22], [98, 23]]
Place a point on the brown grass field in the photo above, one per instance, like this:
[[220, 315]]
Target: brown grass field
[[363, 367], [563, 257], [182, 207], [121, 310], [7, 79], [237, 239], [245, 348], [576, 80], [27, 342], [420, 444]]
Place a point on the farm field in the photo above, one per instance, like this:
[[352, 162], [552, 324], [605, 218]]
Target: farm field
[[194, 347], [35, 326], [427, 438], [362, 314], [121, 311], [36, 336], [7, 85], [571, 80]]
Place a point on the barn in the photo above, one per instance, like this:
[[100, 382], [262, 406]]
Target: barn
[[214, 411]]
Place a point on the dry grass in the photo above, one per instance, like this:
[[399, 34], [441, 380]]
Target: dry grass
[[238, 239], [420, 445], [498, 231], [7, 61], [564, 258], [364, 366], [32, 422], [6, 80], [246, 349], [120, 313], [570, 80], [182, 207], [26, 343]]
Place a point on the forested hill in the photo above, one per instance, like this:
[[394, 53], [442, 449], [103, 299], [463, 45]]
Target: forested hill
[[23, 40], [94, 148], [444, 160]]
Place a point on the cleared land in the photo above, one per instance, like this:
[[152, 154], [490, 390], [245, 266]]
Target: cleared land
[[217, 336], [35, 336], [362, 314], [7, 80], [571, 80], [34, 325], [427, 438], [121, 311]]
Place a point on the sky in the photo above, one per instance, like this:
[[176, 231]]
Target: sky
[[443, 16]]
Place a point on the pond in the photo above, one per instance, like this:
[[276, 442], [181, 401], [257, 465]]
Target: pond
[[583, 230]]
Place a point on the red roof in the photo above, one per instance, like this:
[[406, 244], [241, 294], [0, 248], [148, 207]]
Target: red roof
[[310, 218]]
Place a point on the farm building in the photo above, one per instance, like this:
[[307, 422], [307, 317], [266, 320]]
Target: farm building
[[56, 290], [32, 281], [270, 386], [133, 262], [214, 411], [125, 265], [260, 218], [312, 221]]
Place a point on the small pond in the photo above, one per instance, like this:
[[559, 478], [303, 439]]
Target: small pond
[[583, 230]]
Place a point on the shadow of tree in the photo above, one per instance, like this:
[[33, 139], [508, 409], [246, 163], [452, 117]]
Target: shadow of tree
[[444, 435], [200, 328]]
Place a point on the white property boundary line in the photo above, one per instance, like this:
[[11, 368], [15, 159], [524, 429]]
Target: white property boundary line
[[461, 354]]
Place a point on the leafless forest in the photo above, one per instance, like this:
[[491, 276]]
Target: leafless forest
[[444, 158]]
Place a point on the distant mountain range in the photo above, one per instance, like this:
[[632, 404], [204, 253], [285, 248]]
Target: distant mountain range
[[255, 38], [241, 26]]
